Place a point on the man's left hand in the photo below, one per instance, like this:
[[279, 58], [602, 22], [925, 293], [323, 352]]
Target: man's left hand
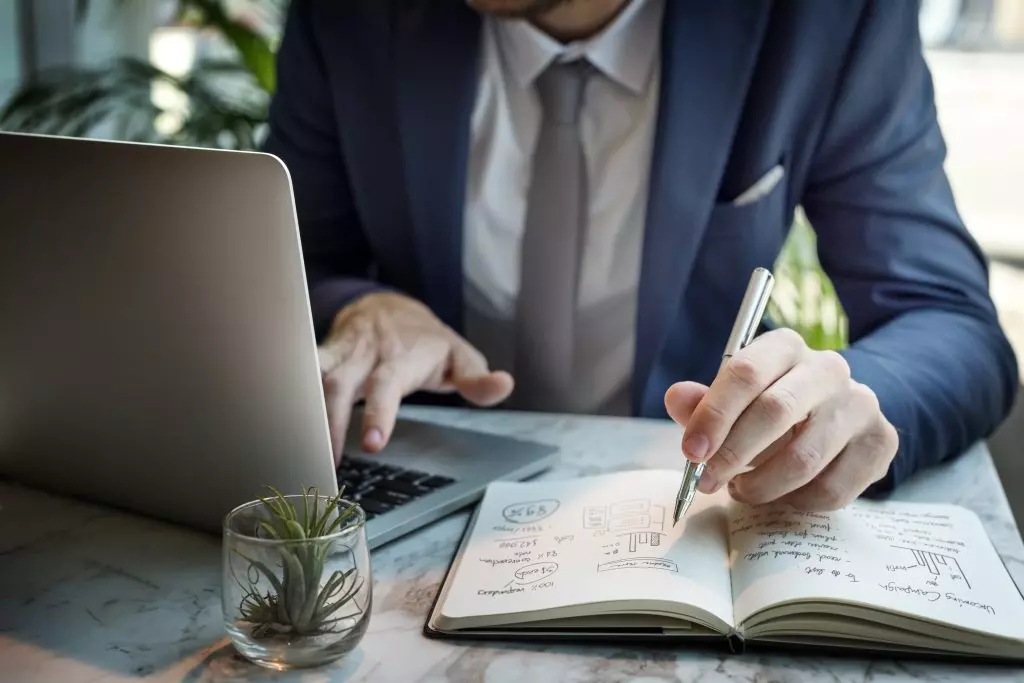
[[782, 422]]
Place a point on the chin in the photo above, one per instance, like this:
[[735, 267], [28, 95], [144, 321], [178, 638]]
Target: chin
[[514, 8]]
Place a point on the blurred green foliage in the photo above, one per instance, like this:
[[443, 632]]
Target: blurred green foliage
[[804, 298], [226, 100]]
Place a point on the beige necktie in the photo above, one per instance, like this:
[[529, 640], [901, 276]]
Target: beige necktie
[[551, 246]]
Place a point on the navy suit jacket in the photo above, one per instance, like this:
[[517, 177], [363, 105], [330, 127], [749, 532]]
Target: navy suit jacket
[[372, 119]]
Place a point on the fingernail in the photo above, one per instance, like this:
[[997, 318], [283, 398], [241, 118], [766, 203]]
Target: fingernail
[[373, 439], [708, 483], [696, 446]]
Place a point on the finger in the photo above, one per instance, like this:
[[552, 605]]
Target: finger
[[776, 446], [785, 403], [341, 387], [742, 379], [345, 361], [386, 386], [681, 400], [863, 462], [819, 442], [344, 341], [473, 379]]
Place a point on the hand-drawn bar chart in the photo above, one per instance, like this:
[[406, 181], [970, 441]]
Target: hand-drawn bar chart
[[635, 538], [938, 564]]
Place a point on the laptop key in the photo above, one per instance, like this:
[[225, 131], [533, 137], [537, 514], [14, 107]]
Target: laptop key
[[386, 471], [411, 490], [411, 476], [374, 507], [436, 482], [391, 498]]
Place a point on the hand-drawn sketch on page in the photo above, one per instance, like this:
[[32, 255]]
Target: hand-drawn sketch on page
[[939, 566], [639, 563], [530, 511], [638, 514]]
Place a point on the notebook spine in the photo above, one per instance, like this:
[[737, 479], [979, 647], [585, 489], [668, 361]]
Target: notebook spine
[[737, 643]]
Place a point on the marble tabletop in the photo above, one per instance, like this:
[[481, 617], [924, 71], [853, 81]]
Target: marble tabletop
[[93, 595]]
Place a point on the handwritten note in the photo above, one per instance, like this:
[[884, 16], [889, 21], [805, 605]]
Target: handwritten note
[[931, 562], [544, 546]]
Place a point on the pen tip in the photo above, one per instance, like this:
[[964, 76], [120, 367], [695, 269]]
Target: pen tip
[[677, 513]]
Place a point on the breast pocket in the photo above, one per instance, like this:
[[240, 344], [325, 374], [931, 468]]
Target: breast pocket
[[739, 238]]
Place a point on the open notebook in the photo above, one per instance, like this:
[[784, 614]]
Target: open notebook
[[598, 556]]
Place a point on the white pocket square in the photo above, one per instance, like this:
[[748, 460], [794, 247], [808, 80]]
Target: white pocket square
[[762, 187]]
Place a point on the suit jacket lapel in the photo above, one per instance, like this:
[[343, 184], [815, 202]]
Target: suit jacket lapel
[[708, 54], [436, 70]]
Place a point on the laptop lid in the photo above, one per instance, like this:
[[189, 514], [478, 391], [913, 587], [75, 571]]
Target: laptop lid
[[156, 347]]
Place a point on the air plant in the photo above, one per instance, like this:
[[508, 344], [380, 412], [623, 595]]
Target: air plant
[[297, 604]]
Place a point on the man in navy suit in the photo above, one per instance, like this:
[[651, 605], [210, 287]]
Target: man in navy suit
[[577, 191]]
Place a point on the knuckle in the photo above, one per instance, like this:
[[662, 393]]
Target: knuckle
[[789, 338], [744, 371], [360, 326], [751, 490], [383, 374], [726, 460], [835, 364], [389, 343], [337, 384], [708, 418], [332, 382], [383, 382], [778, 405], [863, 397], [806, 460], [882, 442], [831, 493]]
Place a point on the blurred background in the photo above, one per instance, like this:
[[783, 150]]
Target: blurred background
[[201, 72]]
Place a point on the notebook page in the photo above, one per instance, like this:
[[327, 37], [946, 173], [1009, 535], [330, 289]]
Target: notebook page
[[929, 561], [550, 544]]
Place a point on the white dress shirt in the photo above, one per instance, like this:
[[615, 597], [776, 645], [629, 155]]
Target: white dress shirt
[[617, 125]]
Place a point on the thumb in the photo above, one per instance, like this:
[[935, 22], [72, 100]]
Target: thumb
[[681, 400], [472, 378]]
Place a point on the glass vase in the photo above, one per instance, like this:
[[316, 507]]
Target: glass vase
[[297, 602]]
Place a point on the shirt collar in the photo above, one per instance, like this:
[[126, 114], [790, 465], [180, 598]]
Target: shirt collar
[[624, 51]]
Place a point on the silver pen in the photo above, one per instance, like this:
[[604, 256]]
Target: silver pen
[[748, 319]]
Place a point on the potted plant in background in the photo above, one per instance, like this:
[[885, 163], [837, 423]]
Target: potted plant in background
[[227, 102], [297, 584], [219, 102]]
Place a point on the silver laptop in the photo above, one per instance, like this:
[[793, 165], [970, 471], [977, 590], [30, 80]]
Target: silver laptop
[[157, 351]]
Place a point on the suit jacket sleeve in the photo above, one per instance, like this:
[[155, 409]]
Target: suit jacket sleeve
[[303, 133], [923, 329]]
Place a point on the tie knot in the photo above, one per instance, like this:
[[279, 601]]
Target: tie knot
[[560, 88]]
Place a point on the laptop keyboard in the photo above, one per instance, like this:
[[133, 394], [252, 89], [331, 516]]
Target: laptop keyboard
[[380, 488]]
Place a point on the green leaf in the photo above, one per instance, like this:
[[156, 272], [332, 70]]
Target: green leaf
[[295, 530], [354, 589], [305, 512], [342, 517], [254, 50], [265, 570], [269, 528], [284, 509], [295, 588]]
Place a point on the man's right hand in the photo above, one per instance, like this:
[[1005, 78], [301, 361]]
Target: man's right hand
[[385, 346]]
